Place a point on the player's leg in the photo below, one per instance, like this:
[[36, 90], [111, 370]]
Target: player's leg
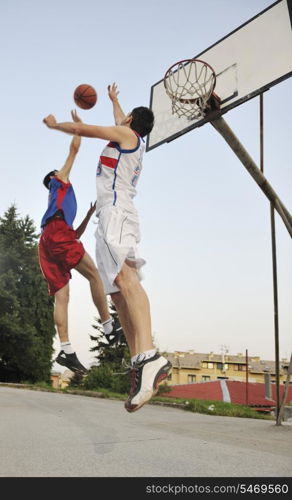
[[87, 268], [61, 313], [58, 253], [149, 368], [117, 257], [66, 356], [136, 307], [125, 321]]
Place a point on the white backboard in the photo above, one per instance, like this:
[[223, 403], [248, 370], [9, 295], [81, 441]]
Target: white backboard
[[247, 62]]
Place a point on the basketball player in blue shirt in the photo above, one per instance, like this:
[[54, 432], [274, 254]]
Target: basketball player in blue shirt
[[60, 251]]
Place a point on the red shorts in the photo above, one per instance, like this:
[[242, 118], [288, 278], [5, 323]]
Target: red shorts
[[59, 252]]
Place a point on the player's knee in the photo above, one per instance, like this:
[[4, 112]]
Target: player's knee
[[127, 280]]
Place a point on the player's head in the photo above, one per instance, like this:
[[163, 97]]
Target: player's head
[[142, 120], [48, 177]]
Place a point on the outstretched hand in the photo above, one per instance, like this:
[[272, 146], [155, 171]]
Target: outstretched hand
[[91, 209], [75, 117], [50, 121], [113, 91]]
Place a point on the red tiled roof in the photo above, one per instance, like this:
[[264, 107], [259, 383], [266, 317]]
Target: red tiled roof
[[237, 392], [256, 393], [204, 390]]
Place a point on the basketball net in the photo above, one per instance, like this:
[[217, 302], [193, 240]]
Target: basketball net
[[190, 84]]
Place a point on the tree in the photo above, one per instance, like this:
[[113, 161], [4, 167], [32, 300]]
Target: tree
[[26, 310], [110, 372]]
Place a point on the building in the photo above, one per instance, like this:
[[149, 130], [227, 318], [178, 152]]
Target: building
[[190, 367], [61, 380], [55, 378]]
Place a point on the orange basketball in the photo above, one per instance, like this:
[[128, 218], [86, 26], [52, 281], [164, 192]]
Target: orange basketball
[[85, 96]]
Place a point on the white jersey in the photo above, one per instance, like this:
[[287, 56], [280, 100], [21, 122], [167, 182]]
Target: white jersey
[[117, 175]]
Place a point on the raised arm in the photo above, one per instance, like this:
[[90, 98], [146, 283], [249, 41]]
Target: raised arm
[[119, 114], [122, 134], [80, 230], [64, 172]]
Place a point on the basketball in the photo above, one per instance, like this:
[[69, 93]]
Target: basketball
[[85, 96]]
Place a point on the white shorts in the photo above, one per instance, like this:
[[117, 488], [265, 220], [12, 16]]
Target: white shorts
[[117, 236]]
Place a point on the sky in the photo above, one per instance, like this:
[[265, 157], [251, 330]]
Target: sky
[[205, 224]]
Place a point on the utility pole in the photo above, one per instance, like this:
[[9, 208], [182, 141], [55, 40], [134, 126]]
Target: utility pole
[[246, 377]]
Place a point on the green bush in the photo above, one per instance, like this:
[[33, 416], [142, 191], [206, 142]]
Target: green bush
[[163, 389], [103, 377]]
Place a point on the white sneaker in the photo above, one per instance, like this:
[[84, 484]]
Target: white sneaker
[[145, 378]]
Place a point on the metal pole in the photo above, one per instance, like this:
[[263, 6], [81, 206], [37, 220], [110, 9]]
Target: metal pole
[[276, 318], [262, 132], [275, 281], [222, 127], [246, 378]]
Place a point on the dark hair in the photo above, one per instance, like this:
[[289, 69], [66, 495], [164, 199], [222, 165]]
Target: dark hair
[[143, 120], [47, 178]]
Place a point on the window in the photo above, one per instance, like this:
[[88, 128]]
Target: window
[[205, 364], [205, 378], [191, 379], [239, 368], [220, 366]]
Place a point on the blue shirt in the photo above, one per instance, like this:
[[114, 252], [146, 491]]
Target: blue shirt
[[61, 197]]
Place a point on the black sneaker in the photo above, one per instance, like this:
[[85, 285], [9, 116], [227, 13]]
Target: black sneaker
[[70, 361], [115, 336]]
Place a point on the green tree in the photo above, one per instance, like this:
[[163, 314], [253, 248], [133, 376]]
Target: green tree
[[26, 311]]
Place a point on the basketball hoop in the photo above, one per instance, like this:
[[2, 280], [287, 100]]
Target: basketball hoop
[[190, 84]]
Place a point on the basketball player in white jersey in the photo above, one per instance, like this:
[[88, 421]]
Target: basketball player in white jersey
[[117, 236]]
